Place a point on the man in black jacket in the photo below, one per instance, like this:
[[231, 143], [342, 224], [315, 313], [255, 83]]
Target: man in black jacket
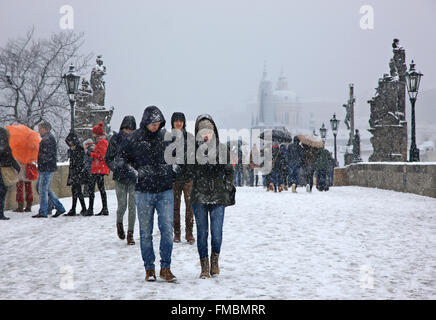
[[124, 187], [182, 182], [47, 158], [142, 156]]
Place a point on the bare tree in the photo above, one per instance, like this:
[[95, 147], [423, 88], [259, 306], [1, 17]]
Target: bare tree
[[31, 86]]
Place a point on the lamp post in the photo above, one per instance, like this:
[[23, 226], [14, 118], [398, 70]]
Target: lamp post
[[323, 133], [335, 123], [72, 84], [413, 79]]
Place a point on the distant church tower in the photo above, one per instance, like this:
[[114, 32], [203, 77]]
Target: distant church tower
[[265, 98]]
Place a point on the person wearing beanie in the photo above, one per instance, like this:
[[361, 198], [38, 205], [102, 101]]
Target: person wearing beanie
[[182, 182], [99, 169], [212, 191], [124, 185], [142, 157]]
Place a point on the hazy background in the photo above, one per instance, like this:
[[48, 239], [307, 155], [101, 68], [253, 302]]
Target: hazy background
[[208, 56]]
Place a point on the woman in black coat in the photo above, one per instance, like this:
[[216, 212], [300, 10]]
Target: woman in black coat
[[6, 160], [211, 191], [77, 174]]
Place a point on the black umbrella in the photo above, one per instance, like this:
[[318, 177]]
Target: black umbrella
[[278, 135]]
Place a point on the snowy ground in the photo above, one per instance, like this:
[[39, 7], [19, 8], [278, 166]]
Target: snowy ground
[[348, 243]]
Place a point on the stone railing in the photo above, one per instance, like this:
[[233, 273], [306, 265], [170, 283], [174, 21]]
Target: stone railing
[[58, 185], [418, 178]]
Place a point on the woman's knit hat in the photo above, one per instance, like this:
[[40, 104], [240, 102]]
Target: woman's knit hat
[[98, 129]]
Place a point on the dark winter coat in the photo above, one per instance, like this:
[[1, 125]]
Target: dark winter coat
[[181, 175], [295, 154], [6, 159], [310, 156], [277, 159], [212, 183], [47, 155], [284, 154], [77, 173], [322, 162], [141, 155], [121, 176]]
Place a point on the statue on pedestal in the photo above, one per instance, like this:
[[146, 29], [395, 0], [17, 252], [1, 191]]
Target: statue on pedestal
[[97, 82], [90, 102]]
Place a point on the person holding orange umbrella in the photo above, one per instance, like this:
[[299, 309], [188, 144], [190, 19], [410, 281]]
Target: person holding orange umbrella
[[24, 143]]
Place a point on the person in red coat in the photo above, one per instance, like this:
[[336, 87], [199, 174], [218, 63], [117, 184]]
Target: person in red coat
[[99, 169]]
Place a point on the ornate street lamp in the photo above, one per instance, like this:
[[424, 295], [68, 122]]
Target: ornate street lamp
[[413, 79], [72, 84], [335, 124], [323, 133]]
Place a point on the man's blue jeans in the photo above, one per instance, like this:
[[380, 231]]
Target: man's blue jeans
[[201, 213], [294, 174], [46, 195], [146, 204]]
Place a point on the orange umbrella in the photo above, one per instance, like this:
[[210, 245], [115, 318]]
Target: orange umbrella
[[24, 143]]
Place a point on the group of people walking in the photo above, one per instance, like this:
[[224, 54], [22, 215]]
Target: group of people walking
[[144, 183], [298, 164]]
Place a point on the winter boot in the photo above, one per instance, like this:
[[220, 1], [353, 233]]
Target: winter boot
[[294, 188], [205, 273], [271, 186], [28, 207], [285, 188], [120, 231], [165, 274], [130, 240], [103, 212], [214, 267], [71, 213], [90, 211], [83, 204], [58, 213], [177, 237], [150, 275], [20, 208], [189, 237], [280, 188], [2, 216]]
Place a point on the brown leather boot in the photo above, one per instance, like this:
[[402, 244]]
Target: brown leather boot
[[20, 208], [120, 231], [130, 240], [165, 274], [150, 275], [177, 237], [189, 237], [205, 273], [214, 267], [28, 207]]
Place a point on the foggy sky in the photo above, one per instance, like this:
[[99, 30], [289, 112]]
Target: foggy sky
[[208, 56]]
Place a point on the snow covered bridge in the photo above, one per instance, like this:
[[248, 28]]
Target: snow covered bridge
[[348, 243]]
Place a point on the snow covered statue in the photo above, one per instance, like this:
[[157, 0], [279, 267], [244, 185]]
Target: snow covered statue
[[90, 102], [388, 125]]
